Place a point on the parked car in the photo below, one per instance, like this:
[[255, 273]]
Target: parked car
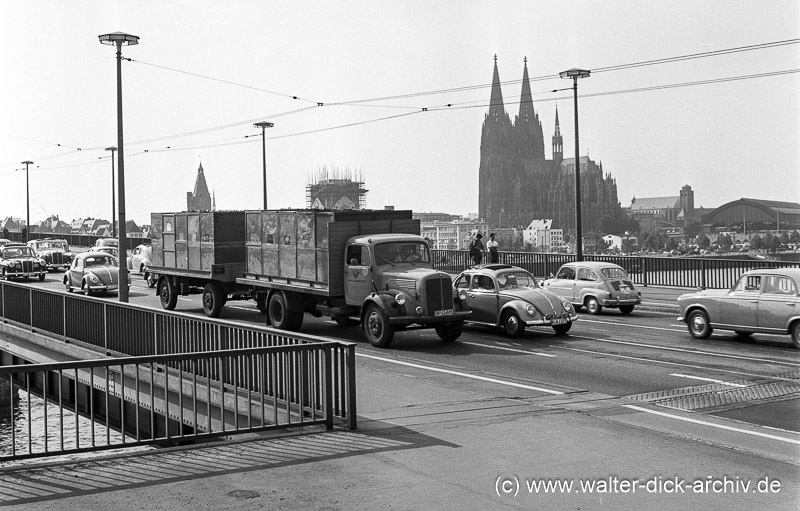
[[509, 298], [595, 285], [139, 259], [93, 272], [55, 252], [19, 261], [112, 251], [761, 301], [4, 242]]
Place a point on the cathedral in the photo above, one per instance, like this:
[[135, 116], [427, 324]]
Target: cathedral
[[518, 184]]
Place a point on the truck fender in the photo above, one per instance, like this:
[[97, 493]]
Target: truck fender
[[294, 301], [380, 302]]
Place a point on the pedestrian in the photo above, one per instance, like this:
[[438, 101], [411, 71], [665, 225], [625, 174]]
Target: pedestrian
[[476, 249], [493, 245]]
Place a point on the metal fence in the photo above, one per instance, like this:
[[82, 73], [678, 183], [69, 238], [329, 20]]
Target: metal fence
[[313, 378], [74, 240], [702, 272]]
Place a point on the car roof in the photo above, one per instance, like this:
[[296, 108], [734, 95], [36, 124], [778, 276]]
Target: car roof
[[92, 253], [493, 268], [595, 265], [791, 272]]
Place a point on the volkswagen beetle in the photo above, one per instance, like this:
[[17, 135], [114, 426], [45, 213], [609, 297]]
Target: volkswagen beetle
[[508, 297], [93, 272]]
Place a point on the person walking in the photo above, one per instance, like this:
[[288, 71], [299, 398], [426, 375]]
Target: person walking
[[492, 245], [476, 249]]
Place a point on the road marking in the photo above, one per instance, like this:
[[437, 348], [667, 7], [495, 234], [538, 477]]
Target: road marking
[[465, 375], [694, 352], [713, 425], [509, 349], [722, 382], [631, 325], [651, 361]]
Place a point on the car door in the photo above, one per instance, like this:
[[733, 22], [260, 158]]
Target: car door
[[75, 272], [586, 281], [740, 307], [483, 299], [563, 284], [778, 303]]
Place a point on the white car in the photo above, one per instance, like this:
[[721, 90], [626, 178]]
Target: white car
[[140, 258]]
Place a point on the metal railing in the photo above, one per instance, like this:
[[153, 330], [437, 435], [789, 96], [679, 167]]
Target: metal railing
[[702, 272], [318, 371]]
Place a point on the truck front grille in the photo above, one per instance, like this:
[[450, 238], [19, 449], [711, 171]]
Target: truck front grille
[[438, 294]]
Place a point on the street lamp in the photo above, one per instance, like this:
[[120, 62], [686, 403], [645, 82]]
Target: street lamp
[[27, 203], [575, 74], [113, 195], [264, 125], [118, 39]]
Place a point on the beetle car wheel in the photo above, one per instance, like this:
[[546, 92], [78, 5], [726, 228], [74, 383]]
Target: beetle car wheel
[[449, 332], [213, 299], [562, 329], [86, 290], [593, 306], [699, 327], [796, 334], [512, 324], [376, 327], [626, 309], [167, 293]]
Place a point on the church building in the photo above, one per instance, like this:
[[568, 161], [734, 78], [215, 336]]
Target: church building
[[200, 199]]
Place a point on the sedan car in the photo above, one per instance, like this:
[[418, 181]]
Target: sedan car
[[55, 252], [112, 251], [595, 285], [93, 272], [761, 301], [19, 261], [139, 259], [509, 298], [107, 242]]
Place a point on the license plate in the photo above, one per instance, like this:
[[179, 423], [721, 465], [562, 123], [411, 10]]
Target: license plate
[[559, 321], [443, 312]]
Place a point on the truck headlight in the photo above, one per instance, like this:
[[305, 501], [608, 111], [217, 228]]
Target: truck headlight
[[400, 298]]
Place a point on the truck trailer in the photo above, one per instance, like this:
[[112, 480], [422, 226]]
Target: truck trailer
[[356, 266]]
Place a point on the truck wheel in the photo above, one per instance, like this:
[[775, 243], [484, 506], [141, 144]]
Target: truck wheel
[[376, 327], [261, 302], [167, 293], [213, 299], [280, 317], [449, 332]]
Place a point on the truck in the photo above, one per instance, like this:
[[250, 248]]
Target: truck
[[367, 267]]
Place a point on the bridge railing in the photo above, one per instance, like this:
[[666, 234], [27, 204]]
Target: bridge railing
[[702, 272]]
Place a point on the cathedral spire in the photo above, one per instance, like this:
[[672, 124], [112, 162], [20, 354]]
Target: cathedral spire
[[496, 107], [558, 142], [526, 112]]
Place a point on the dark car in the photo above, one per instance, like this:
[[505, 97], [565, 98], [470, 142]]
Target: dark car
[[761, 301], [19, 261], [107, 242], [93, 272], [595, 285], [509, 298], [55, 252]]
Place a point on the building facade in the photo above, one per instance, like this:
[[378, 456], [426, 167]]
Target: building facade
[[336, 189], [517, 183]]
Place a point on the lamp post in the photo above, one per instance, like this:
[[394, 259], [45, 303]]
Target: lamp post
[[113, 195], [27, 202], [264, 125], [118, 39], [575, 74]]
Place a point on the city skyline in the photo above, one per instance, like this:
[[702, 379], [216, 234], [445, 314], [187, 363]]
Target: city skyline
[[719, 113]]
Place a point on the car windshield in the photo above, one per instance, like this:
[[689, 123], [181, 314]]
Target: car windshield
[[11, 253], [511, 279], [50, 245], [614, 273], [402, 252], [100, 261]]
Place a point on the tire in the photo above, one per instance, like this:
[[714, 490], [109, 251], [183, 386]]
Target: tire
[[261, 302], [512, 324], [213, 299], [85, 288], [593, 306], [795, 330], [562, 329], [151, 279], [376, 327], [67, 285], [626, 309], [449, 332], [41, 277], [344, 320], [279, 315], [168, 294], [699, 327]]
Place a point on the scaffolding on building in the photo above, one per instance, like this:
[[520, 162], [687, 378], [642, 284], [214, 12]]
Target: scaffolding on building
[[336, 188]]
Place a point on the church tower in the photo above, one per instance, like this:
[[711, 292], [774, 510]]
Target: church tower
[[558, 143], [200, 199]]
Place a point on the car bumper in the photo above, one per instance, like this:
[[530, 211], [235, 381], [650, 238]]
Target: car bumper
[[616, 302], [57, 266], [15, 274], [551, 321], [430, 320]]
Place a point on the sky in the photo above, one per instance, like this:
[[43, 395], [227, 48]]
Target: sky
[[704, 93]]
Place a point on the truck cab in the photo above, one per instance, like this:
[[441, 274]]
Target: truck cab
[[390, 277]]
